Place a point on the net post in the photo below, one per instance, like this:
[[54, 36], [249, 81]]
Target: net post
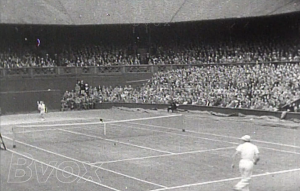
[[104, 126], [14, 138]]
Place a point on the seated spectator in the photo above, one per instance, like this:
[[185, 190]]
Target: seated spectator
[[172, 106]]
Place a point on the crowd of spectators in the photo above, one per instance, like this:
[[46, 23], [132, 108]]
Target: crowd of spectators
[[259, 86], [228, 51], [97, 55], [196, 52], [16, 56], [80, 98]]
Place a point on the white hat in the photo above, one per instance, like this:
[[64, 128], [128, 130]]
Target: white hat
[[246, 138]]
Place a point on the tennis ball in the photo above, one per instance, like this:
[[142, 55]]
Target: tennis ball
[[183, 130]]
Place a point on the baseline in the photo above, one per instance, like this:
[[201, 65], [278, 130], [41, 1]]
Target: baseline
[[227, 180]]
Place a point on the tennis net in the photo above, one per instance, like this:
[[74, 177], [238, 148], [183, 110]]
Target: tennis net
[[100, 129]]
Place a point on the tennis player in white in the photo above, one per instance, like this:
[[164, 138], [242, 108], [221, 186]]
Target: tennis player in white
[[42, 109], [249, 157]]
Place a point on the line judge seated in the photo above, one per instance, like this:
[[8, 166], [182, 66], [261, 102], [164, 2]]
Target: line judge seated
[[172, 105]]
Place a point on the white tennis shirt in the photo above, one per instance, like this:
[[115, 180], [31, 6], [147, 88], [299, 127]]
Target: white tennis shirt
[[247, 150]]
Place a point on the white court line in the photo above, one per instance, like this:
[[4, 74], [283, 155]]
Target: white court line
[[217, 135], [33, 131], [165, 155], [98, 122], [44, 130], [29, 124], [279, 150], [227, 180], [112, 140], [61, 170], [86, 163], [43, 125], [204, 138], [215, 140]]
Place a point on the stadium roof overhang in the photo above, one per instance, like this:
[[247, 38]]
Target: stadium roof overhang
[[100, 12]]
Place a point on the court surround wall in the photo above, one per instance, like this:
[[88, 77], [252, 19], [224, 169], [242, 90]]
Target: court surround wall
[[229, 111], [19, 94]]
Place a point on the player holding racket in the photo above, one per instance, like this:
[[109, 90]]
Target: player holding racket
[[249, 157], [42, 109]]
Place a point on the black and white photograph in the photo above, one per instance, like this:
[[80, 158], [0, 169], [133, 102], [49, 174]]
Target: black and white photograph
[[150, 95]]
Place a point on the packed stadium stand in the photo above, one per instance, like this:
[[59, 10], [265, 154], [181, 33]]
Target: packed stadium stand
[[266, 87], [195, 44]]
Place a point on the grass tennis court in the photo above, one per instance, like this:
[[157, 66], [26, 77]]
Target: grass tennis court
[[69, 151]]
